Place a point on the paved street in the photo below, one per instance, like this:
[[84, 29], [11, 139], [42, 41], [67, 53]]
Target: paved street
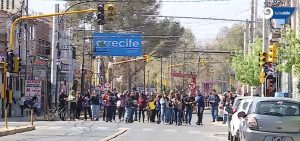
[[94, 131]]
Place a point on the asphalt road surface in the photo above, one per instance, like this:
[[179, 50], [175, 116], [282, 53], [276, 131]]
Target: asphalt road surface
[[97, 130]]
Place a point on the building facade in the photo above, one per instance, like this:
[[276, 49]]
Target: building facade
[[11, 6]]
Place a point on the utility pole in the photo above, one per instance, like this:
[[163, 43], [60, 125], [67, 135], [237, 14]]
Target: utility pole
[[55, 44], [161, 71], [82, 64], [265, 46]]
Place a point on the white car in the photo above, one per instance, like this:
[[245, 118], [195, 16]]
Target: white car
[[240, 104]]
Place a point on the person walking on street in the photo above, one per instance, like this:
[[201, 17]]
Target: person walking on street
[[227, 102], [178, 106], [62, 99], [21, 103], [105, 101], [79, 105], [72, 100], [158, 108], [214, 102], [121, 105], [171, 109], [189, 102], [152, 109], [128, 108], [87, 105], [95, 105], [142, 104], [200, 107]]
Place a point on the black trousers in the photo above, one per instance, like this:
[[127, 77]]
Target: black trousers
[[62, 111], [109, 113], [22, 110], [121, 112], [87, 110], [78, 111], [73, 110], [141, 113], [104, 112], [200, 114], [152, 115]]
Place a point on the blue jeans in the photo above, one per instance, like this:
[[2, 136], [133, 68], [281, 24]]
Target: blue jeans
[[225, 117], [128, 113], [95, 111], [172, 115], [163, 115], [188, 115], [167, 115], [214, 112]]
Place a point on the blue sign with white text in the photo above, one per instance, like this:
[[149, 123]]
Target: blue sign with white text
[[117, 44], [282, 12]]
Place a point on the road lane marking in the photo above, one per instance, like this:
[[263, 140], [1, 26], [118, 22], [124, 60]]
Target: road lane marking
[[170, 130], [147, 129], [102, 128], [194, 132]]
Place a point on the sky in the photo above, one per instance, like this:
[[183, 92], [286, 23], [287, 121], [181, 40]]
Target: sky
[[204, 30]]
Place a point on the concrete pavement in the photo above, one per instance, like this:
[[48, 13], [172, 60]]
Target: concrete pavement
[[98, 130]]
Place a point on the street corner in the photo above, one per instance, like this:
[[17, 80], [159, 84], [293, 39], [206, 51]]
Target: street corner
[[15, 130], [118, 133]]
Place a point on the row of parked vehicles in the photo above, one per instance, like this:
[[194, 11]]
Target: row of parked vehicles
[[264, 119]]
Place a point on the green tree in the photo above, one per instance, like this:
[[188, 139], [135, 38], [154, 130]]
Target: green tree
[[289, 52], [247, 68]]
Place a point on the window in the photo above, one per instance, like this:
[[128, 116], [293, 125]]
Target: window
[[12, 4], [278, 108], [2, 4]]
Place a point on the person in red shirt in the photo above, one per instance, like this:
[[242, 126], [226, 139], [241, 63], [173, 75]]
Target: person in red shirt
[[142, 104]]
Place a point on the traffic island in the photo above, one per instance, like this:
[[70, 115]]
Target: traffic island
[[14, 130]]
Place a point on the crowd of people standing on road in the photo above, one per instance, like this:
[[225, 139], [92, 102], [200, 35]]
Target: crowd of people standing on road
[[172, 108]]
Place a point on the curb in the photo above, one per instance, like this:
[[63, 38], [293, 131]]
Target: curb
[[120, 132], [11, 131]]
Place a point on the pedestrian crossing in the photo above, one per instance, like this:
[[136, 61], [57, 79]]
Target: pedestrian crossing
[[103, 128]]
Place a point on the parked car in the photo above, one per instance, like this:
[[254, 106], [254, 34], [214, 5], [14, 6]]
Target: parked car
[[240, 104], [270, 119]]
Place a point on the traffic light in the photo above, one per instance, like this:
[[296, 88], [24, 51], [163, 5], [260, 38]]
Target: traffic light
[[110, 8], [262, 76], [17, 64], [146, 58], [262, 59], [272, 54], [100, 14], [10, 61]]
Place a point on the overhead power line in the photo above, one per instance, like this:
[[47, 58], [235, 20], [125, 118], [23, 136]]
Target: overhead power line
[[201, 18]]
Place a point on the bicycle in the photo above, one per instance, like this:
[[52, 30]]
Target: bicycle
[[54, 114]]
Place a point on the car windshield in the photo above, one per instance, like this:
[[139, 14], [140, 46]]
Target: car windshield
[[278, 108]]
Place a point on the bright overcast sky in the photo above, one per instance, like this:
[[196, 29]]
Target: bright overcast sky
[[204, 30]]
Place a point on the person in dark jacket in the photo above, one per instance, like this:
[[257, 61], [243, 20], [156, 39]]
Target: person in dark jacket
[[62, 99], [188, 103], [87, 105], [199, 99], [128, 108], [214, 100], [78, 105], [142, 104], [95, 105]]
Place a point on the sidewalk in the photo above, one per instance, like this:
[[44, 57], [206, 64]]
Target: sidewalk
[[15, 130]]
